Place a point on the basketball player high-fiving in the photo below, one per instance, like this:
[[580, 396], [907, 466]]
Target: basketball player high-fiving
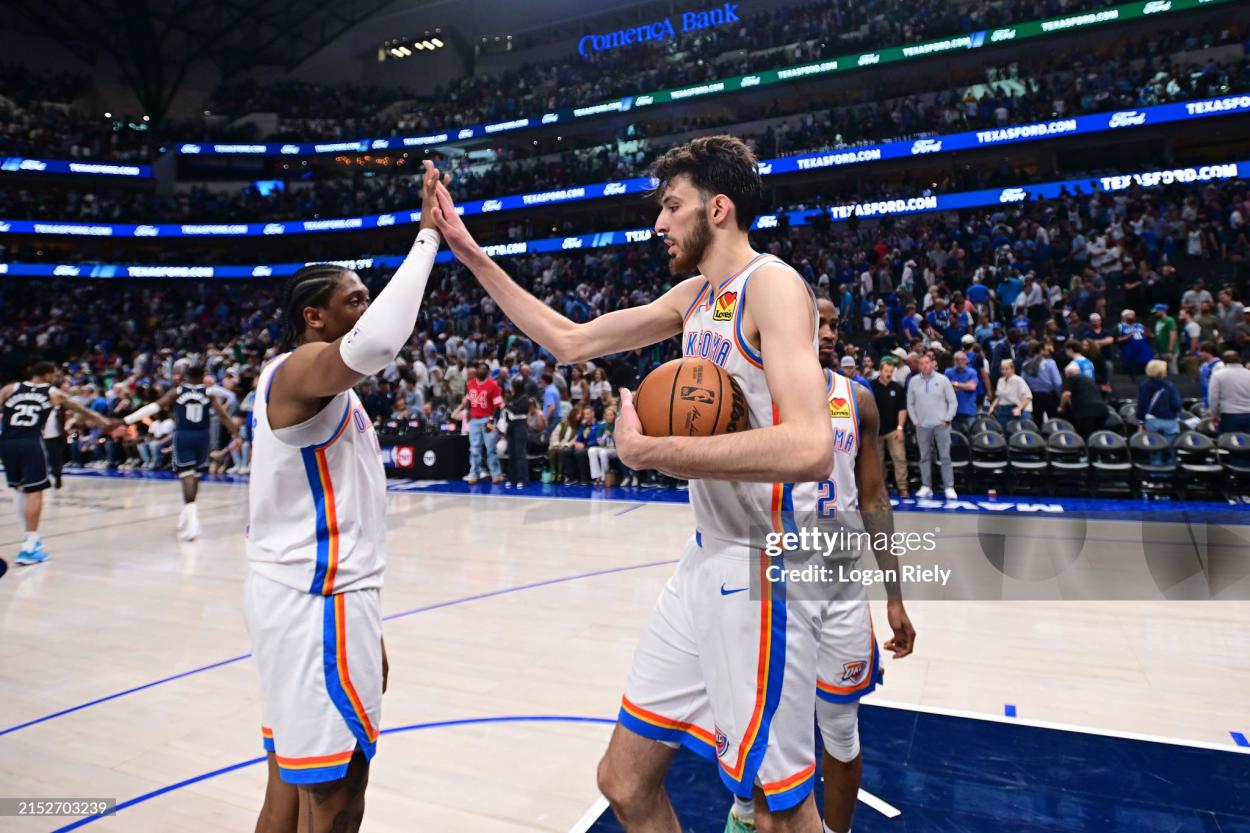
[[730, 675]]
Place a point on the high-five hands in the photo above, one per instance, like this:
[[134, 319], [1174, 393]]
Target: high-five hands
[[431, 180], [450, 226]]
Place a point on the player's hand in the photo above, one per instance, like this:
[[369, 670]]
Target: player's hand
[[629, 437], [430, 180], [904, 634], [449, 224]]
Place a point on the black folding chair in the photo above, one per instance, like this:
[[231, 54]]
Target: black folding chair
[[983, 423], [961, 457], [1054, 425], [1111, 467], [1115, 423], [1069, 462], [1234, 449], [989, 461], [1154, 462], [1199, 464], [1026, 454], [1014, 426]]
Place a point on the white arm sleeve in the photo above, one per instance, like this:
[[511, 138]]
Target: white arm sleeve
[[387, 325], [150, 409]]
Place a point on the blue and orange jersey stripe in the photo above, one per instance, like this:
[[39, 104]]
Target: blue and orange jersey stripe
[[317, 469], [850, 396], [272, 368], [316, 761], [345, 680], [771, 640], [793, 781], [694, 730], [695, 305]]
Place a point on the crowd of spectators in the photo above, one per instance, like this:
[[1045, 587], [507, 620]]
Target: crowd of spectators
[[1140, 74], [38, 119], [774, 37], [1105, 283]]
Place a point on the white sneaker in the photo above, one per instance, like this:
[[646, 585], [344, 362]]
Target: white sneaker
[[924, 492], [190, 532], [950, 494]]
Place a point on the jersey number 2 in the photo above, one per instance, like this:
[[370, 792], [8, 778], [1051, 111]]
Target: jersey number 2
[[826, 499]]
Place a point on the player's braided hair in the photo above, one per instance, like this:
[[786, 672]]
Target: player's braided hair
[[309, 287]]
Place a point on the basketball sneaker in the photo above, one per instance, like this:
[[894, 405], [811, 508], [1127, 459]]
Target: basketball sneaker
[[733, 824], [36, 556], [4, 567]]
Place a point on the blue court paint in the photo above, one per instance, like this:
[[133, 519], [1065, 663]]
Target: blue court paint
[[414, 727], [951, 774], [1009, 710], [1240, 739], [435, 606]]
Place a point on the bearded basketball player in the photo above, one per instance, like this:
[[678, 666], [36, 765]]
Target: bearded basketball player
[[731, 676], [317, 537]]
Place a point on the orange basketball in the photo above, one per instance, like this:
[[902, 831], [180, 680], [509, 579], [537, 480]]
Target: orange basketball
[[690, 397]]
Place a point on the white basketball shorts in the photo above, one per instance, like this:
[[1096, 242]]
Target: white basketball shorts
[[730, 672], [320, 664]]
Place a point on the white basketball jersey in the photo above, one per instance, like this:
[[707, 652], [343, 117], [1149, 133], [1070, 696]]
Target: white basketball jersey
[[837, 497], [317, 498], [724, 509]]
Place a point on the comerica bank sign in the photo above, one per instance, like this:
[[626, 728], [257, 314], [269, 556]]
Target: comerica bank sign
[[663, 29]]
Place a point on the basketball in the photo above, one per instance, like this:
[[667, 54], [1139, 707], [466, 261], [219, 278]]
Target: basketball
[[690, 397]]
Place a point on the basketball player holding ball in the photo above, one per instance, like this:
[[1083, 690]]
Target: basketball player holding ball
[[316, 542], [727, 671]]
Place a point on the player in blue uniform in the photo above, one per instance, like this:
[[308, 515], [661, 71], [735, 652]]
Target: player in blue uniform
[[191, 403], [26, 406]]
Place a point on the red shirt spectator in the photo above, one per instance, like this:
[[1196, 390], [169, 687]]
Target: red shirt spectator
[[484, 398]]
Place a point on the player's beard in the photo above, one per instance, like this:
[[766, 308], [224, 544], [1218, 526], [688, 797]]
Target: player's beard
[[691, 250]]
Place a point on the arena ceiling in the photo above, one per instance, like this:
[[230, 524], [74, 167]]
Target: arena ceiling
[[156, 42]]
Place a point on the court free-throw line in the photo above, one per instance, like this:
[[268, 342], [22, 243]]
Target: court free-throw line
[[413, 727], [414, 611]]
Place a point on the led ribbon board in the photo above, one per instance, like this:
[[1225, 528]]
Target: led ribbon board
[[1037, 131], [20, 164], [1003, 197]]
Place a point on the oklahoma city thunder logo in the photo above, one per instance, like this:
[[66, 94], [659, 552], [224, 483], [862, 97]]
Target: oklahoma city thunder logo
[[852, 671], [722, 743], [725, 306]]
